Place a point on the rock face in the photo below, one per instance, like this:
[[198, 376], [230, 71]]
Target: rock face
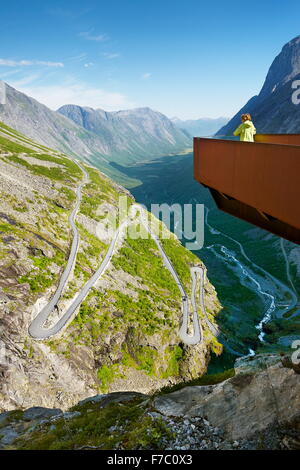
[[93, 134], [132, 133], [265, 392], [125, 334], [257, 409], [273, 110]]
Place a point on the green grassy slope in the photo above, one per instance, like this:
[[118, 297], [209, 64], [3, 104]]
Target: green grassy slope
[[128, 324]]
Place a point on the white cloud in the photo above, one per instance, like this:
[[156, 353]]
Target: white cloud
[[26, 63], [90, 36], [147, 75], [10, 73], [77, 58], [81, 94], [26, 80], [89, 64], [114, 55]]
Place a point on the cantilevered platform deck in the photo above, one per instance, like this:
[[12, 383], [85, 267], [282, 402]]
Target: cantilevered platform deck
[[257, 182]]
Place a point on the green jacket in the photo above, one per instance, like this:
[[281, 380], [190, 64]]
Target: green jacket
[[246, 131]]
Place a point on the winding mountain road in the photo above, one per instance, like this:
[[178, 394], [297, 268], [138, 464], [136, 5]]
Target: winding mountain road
[[38, 331], [197, 336], [201, 272]]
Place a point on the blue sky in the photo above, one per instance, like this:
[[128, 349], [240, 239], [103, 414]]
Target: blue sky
[[188, 59]]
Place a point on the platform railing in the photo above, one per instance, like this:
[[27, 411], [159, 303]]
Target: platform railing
[[287, 139]]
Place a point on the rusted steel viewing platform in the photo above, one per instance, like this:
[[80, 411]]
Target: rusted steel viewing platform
[[257, 182]]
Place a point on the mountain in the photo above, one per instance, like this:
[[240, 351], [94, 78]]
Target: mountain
[[48, 127], [124, 335], [94, 135], [200, 127], [273, 110], [136, 132]]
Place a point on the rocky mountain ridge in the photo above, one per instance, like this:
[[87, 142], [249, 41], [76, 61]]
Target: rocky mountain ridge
[[93, 135], [273, 110], [200, 127]]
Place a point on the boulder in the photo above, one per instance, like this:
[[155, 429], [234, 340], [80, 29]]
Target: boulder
[[38, 412], [263, 393]]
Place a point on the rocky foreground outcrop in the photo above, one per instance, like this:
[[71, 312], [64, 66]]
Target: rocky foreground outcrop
[[258, 408], [264, 393]]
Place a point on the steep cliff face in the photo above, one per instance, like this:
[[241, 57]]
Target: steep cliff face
[[125, 334], [273, 110]]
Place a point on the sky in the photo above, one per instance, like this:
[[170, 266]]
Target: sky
[[188, 59]]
